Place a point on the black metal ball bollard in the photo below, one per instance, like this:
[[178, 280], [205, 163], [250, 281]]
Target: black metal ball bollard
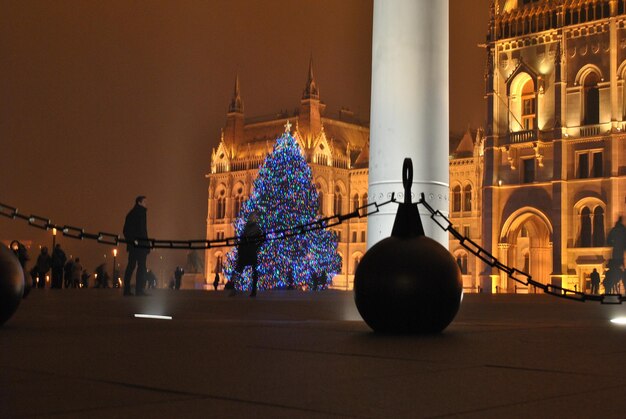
[[11, 284], [408, 283]]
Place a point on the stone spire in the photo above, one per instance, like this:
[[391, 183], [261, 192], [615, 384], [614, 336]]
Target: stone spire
[[236, 104], [310, 91]]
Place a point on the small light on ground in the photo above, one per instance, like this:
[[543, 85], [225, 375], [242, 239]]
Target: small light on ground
[[619, 320], [152, 316]]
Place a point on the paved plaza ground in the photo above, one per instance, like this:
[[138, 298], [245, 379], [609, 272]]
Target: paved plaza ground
[[286, 354]]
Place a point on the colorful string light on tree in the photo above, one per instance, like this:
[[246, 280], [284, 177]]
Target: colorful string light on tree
[[284, 196]]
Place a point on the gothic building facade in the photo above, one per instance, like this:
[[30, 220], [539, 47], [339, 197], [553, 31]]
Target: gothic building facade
[[336, 148], [553, 154], [539, 186]]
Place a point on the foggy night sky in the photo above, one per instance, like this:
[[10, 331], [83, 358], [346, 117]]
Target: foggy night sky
[[103, 101]]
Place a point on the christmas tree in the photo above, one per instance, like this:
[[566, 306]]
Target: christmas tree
[[284, 197]]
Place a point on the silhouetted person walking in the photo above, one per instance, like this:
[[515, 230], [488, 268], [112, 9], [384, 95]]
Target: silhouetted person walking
[[77, 272], [247, 252], [216, 281], [136, 232], [178, 276], [21, 253], [102, 280], [67, 273], [44, 262], [58, 262], [595, 281], [617, 239]]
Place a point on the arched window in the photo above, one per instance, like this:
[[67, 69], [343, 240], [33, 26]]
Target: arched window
[[526, 262], [529, 105], [320, 199], [591, 104], [338, 204], [357, 260], [456, 199], [219, 263], [585, 228], [220, 210], [598, 227], [364, 199], [461, 260], [467, 198], [238, 201], [355, 201]]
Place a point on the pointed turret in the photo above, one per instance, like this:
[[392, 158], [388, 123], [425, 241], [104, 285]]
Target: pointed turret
[[466, 145], [310, 91], [236, 104], [233, 130], [309, 121]]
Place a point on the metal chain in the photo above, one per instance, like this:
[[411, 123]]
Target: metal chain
[[362, 211], [514, 273], [114, 239]]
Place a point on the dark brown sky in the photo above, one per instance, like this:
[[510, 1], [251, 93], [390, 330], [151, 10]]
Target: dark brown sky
[[102, 101]]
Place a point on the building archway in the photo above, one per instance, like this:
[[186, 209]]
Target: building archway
[[526, 244]]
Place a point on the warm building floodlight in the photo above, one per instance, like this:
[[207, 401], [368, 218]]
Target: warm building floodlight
[[152, 316], [621, 321]]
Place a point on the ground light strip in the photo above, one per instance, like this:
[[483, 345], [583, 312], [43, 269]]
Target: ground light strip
[[152, 316], [619, 320]]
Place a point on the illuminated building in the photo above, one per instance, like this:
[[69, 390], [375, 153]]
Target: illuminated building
[[336, 149], [539, 186], [552, 158]]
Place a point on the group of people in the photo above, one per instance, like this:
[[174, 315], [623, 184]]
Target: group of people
[[65, 273], [614, 275]]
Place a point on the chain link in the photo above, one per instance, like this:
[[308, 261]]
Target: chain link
[[363, 211], [114, 239], [514, 273]]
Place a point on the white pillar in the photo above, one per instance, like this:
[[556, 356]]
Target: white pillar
[[409, 114]]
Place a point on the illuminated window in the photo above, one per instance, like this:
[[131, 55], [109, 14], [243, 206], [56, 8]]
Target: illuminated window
[[528, 170], [461, 260], [219, 264], [355, 202], [338, 204], [583, 165], [596, 168], [220, 212], [354, 237], [456, 199], [598, 227], [526, 267], [238, 202], [357, 260], [467, 198], [529, 106], [585, 228], [364, 199], [591, 100], [320, 199], [363, 236], [583, 160]]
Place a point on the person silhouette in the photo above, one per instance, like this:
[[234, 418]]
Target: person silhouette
[[58, 262], [44, 263], [178, 276], [595, 281], [247, 251], [617, 239], [216, 281], [136, 232]]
